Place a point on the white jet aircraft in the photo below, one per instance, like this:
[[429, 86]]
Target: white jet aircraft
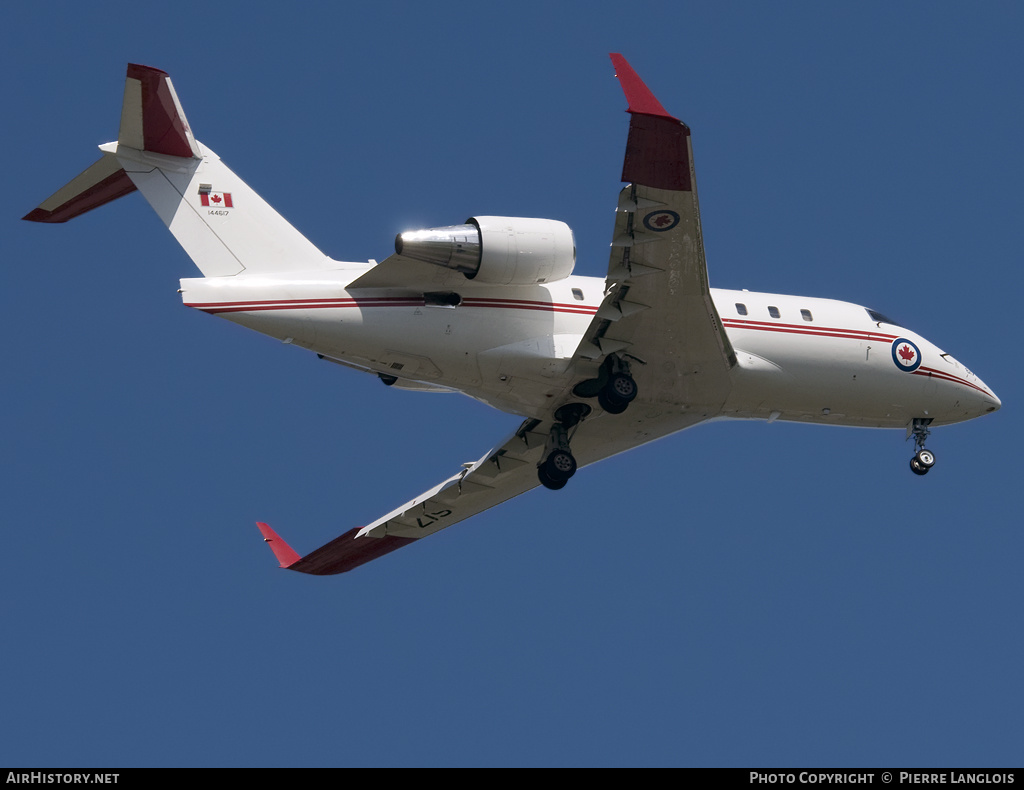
[[491, 308]]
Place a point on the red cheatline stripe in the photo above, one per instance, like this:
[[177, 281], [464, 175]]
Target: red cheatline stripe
[[939, 374], [798, 329], [305, 304], [524, 304], [499, 302], [315, 306], [289, 303], [382, 301]]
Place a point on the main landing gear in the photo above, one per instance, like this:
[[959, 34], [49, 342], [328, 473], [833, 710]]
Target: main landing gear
[[559, 464], [614, 387], [923, 459]]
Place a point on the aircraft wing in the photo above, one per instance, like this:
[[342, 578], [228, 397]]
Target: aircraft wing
[[657, 309], [503, 473], [657, 314]]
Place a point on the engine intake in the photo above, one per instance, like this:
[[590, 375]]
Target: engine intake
[[498, 250]]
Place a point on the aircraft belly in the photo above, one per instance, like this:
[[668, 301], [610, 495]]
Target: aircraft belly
[[293, 326], [524, 337], [526, 375], [512, 360], [410, 342]]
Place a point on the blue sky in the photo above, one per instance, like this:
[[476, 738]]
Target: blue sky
[[739, 594]]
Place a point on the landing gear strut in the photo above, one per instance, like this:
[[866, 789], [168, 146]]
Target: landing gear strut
[[559, 464], [923, 459]]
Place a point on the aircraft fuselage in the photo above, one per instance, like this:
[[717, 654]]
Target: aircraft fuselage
[[798, 358]]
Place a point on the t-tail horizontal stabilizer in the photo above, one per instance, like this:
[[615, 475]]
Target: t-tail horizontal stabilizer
[[151, 120], [223, 225]]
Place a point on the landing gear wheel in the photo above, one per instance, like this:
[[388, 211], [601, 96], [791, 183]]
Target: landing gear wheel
[[559, 466], [916, 468], [621, 387], [617, 394], [925, 459], [610, 404], [547, 482]]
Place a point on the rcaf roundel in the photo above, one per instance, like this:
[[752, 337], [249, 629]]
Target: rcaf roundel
[[906, 355], [661, 220]]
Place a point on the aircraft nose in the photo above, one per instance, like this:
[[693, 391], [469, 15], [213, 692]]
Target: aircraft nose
[[985, 401], [995, 404], [974, 398]]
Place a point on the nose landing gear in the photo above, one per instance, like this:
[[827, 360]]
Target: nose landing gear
[[923, 459]]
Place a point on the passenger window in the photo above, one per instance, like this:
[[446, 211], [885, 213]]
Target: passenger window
[[577, 294], [773, 312], [741, 308], [807, 315]]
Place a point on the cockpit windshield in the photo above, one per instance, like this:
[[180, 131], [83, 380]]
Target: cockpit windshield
[[878, 318]]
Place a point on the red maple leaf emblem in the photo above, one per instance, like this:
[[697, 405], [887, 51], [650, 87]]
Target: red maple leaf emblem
[[907, 353], [663, 220], [216, 198]]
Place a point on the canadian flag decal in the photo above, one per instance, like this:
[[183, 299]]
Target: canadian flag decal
[[216, 199]]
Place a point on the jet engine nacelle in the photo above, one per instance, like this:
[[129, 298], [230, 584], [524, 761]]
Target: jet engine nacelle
[[498, 250]]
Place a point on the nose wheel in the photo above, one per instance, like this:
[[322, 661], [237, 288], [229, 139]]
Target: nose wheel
[[923, 459], [922, 462]]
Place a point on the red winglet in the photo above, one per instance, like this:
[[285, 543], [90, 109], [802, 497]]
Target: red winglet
[[285, 554], [638, 95], [657, 150], [342, 554]]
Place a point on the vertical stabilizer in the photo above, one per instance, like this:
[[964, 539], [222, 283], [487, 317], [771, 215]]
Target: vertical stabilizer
[[220, 221]]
